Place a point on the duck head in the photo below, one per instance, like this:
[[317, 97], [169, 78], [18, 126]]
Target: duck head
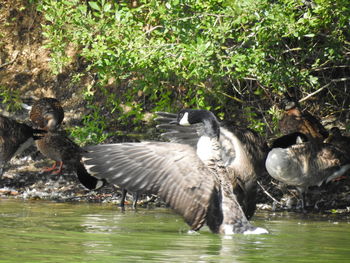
[[51, 120]]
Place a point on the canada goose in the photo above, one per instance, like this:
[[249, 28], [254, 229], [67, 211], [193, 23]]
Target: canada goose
[[194, 184], [242, 150], [294, 120], [43, 106], [306, 164], [14, 138], [58, 147]]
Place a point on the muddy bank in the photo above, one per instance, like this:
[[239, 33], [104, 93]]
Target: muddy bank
[[24, 178]]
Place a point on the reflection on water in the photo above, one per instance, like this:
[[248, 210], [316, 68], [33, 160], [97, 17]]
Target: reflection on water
[[59, 232]]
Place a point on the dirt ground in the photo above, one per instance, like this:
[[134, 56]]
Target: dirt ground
[[24, 66]]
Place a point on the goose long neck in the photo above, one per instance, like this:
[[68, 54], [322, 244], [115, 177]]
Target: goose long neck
[[211, 128], [208, 149], [208, 146]]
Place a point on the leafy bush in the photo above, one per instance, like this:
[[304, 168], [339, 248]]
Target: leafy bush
[[225, 56], [10, 98], [94, 126]]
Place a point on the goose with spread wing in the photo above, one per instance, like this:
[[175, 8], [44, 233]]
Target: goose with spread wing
[[194, 183], [242, 150]]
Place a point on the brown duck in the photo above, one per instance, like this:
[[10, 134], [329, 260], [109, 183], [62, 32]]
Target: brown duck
[[194, 182], [43, 106], [294, 120], [14, 138], [58, 147]]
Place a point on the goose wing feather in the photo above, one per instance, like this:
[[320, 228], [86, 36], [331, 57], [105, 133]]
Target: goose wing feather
[[190, 134], [172, 171]]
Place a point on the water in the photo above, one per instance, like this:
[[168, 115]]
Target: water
[[36, 231]]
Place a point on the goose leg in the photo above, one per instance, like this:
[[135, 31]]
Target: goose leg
[[303, 201], [135, 197], [122, 200]]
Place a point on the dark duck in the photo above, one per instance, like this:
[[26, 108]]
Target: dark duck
[[194, 182], [14, 138], [339, 140]]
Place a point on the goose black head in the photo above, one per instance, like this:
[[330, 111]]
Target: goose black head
[[187, 117]]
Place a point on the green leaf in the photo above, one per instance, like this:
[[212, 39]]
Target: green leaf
[[95, 6], [107, 7], [309, 35]]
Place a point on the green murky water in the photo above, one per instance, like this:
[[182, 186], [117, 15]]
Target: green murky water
[[36, 231]]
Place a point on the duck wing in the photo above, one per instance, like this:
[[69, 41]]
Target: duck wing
[[14, 137], [172, 171]]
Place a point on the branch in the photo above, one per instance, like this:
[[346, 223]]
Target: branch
[[322, 88], [10, 62], [315, 92], [268, 194]]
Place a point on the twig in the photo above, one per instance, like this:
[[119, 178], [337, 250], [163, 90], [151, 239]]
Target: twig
[[263, 115], [152, 29], [10, 62], [268, 194], [231, 97], [315, 92], [322, 88]]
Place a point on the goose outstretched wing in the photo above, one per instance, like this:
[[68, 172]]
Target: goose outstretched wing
[[172, 171]]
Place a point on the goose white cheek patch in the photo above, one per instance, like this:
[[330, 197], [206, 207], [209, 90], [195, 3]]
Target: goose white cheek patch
[[184, 120]]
